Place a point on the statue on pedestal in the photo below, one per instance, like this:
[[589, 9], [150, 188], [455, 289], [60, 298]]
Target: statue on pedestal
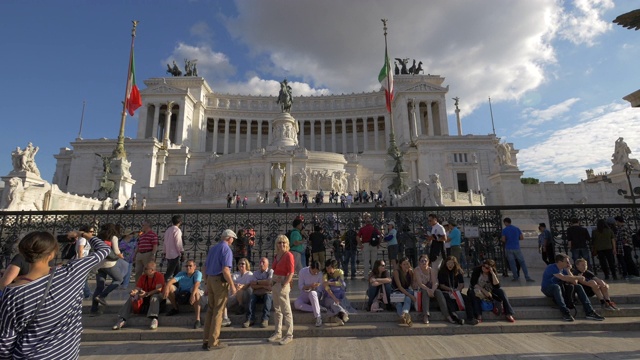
[[504, 154], [278, 175], [24, 160], [285, 97]]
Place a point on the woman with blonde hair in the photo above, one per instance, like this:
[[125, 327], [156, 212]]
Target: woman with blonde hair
[[283, 268]]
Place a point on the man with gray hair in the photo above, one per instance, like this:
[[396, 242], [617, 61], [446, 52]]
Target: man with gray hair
[[261, 285], [217, 276]]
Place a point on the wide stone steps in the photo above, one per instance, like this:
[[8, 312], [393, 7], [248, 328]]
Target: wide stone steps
[[376, 329]]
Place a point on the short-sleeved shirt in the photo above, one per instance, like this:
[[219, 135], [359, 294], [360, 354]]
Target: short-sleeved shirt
[[512, 236], [544, 238], [455, 236], [293, 237], [588, 275], [186, 282], [393, 240], [219, 256], [127, 248], [285, 266], [317, 241], [21, 263], [306, 278], [147, 283], [548, 277], [365, 233], [147, 241], [578, 236], [437, 230], [243, 279]]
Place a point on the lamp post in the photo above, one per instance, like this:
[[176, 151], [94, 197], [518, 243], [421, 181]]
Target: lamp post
[[634, 193]]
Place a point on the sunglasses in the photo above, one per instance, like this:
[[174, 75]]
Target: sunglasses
[[424, 261]]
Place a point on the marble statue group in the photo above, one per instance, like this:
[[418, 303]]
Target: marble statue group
[[24, 160]]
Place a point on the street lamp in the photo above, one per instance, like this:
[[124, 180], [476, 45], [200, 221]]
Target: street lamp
[[634, 192]]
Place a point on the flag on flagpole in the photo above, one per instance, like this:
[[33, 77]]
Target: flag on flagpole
[[134, 100], [386, 80]]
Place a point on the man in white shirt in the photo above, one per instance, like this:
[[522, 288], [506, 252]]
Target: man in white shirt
[[309, 283], [438, 237], [173, 249]]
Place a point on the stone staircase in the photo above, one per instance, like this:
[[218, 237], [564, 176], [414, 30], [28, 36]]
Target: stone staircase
[[534, 313]]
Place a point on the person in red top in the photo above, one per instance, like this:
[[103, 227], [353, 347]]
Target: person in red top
[[149, 288], [147, 247], [283, 269], [364, 237]]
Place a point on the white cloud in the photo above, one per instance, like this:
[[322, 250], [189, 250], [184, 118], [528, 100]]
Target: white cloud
[[553, 112], [568, 152], [258, 86], [584, 24], [211, 64]]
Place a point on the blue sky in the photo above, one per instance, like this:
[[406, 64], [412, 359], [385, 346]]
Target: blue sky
[[556, 71]]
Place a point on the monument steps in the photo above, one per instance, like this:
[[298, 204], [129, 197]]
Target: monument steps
[[391, 328]]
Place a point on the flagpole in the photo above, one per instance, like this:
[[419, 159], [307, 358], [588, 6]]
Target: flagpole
[[119, 152], [391, 134]]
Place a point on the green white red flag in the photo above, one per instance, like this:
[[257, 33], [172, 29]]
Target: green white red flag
[[386, 80], [134, 100]]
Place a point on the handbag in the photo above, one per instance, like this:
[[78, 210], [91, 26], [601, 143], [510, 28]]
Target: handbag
[[418, 304], [457, 297], [487, 305], [397, 297]]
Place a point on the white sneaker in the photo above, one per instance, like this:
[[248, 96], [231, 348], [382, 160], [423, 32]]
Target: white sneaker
[[154, 324], [226, 322], [345, 317], [275, 337], [286, 340], [319, 321]]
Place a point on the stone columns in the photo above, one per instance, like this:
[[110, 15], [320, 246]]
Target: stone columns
[[259, 135], [365, 122], [322, 136], [333, 135], [412, 117], [226, 137], [430, 118], [344, 136], [301, 133], [313, 135], [354, 134], [156, 120], [248, 137], [167, 125], [387, 130], [215, 135], [376, 144], [237, 142], [269, 136]]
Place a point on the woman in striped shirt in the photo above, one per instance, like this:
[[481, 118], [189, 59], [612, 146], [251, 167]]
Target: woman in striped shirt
[[54, 332]]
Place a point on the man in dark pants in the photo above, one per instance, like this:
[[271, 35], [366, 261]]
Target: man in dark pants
[[173, 249], [579, 239], [546, 244]]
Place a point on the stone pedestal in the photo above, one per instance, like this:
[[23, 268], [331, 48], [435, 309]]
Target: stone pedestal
[[34, 200], [388, 179], [121, 176], [506, 188], [284, 130]]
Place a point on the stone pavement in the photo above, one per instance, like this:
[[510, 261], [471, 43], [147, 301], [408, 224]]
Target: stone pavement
[[571, 345]]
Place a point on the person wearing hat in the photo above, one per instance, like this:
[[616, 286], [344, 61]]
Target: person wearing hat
[[217, 276], [623, 249], [392, 243], [128, 245]]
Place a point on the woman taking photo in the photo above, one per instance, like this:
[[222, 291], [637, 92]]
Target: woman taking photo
[[109, 235], [485, 286], [379, 286], [450, 285], [403, 280], [283, 268], [41, 312], [425, 280]]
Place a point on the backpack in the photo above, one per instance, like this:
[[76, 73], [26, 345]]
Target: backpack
[[376, 237], [68, 251], [350, 240], [112, 255]]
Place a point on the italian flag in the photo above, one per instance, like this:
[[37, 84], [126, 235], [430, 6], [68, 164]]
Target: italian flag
[[134, 100], [386, 80]]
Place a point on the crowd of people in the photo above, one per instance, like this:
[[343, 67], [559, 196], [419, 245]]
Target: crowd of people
[[413, 279]]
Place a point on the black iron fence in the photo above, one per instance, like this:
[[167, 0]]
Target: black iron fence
[[202, 228]]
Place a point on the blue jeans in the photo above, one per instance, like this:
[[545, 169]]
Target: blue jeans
[[555, 292], [101, 279], [127, 276], [267, 299], [350, 257], [86, 291], [372, 292], [512, 255], [404, 306], [579, 253]]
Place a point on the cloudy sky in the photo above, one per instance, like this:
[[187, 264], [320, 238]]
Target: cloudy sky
[[556, 71]]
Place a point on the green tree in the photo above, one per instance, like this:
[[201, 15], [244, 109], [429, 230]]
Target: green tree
[[529, 180]]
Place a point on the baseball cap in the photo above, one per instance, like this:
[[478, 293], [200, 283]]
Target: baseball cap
[[445, 223], [391, 223], [229, 233]]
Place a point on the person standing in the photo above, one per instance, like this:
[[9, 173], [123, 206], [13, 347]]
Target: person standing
[[604, 244], [511, 237], [318, 249], [144, 203], [53, 331], [283, 268], [296, 243], [455, 239], [350, 239], [392, 243], [579, 239], [438, 237], [147, 247], [370, 253], [173, 247], [217, 277], [546, 244], [623, 247], [128, 245]]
